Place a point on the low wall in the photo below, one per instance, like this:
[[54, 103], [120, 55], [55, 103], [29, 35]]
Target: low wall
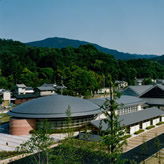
[[155, 121], [21, 126], [145, 124], [134, 128]]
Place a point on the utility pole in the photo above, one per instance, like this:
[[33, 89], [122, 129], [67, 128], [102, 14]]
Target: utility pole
[[62, 85]]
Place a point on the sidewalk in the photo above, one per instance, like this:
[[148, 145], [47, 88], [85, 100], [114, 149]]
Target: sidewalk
[[148, 135]]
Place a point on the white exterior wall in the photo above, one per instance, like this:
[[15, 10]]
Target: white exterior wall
[[29, 91], [139, 107], [155, 121], [145, 124], [45, 93], [134, 128], [100, 116], [103, 90], [162, 119], [6, 95], [21, 90]]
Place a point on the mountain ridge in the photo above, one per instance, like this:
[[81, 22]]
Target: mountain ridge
[[57, 42]]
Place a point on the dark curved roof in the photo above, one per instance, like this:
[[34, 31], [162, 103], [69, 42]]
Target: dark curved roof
[[54, 107]]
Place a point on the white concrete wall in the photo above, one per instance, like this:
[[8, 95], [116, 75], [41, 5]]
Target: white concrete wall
[[162, 119], [21, 90], [29, 91], [145, 124], [6, 95], [100, 116], [103, 90], [45, 93], [139, 107], [134, 128], [155, 121]]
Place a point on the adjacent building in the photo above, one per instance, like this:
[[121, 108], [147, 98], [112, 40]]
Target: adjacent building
[[133, 114], [153, 95]]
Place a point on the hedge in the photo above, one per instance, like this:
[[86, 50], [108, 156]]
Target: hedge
[[150, 127], [160, 123], [139, 131]]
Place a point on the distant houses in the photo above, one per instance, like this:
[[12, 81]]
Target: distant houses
[[22, 89], [119, 85], [23, 93]]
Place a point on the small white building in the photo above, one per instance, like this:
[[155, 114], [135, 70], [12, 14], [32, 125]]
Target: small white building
[[20, 89], [121, 84], [45, 91], [6, 97], [23, 89], [103, 91]]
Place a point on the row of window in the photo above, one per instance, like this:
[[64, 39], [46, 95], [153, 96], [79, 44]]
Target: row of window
[[64, 123], [126, 110]]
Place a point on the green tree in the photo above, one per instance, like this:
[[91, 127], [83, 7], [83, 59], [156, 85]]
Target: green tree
[[39, 142], [28, 77], [114, 134], [144, 149], [1, 101], [147, 81], [3, 82], [46, 74], [157, 146], [69, 122]]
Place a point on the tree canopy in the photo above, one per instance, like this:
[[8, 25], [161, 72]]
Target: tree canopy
[[83, 69]]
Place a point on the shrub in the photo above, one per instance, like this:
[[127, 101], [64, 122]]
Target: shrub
[[32, 131], [127, 136], [150, 127], [8, 154], [160, 123], [139, 131]]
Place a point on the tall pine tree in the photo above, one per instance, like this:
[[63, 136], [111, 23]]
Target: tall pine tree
[[114, 134]]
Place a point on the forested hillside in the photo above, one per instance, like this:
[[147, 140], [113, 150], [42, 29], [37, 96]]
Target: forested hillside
[[57, 42], [82, 69], [159, 59]]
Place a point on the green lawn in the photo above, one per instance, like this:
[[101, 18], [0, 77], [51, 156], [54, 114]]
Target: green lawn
[[4, 118]]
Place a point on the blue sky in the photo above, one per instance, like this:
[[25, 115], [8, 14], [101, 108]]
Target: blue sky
[[134, 26]]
